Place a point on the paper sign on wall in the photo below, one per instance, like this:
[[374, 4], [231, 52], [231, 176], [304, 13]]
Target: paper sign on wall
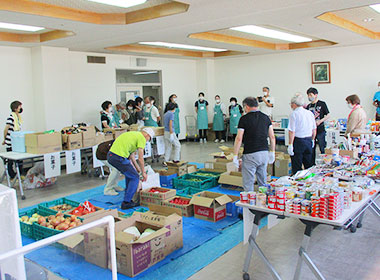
[[73, 161], [95, 162], [160, 145], [52, 164]]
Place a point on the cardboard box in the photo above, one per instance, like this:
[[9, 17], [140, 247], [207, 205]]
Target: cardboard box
[[166, 178], [180, 168], [108, 136], [147, 197], [184, 210], [43, 143], [134, 257], [88, 136], [116, 132], [230, 150], [158, 131], [72, 141], [352, 154], [191, 168], [231, 208], [220, 167], [99, 138], [270, 169], [282, 165], [210, 206], [231, 178]]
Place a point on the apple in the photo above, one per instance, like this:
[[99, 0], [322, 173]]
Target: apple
[[41, 220], [43, 224]]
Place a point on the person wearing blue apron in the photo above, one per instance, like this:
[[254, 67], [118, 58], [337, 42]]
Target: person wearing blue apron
[[236, 111], [218, 121], [201, 107], [151, 115], [173, 99]]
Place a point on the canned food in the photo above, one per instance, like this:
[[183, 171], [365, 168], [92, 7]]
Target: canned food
[[244, 197]]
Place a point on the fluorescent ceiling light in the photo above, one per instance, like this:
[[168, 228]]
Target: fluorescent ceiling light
[[120, 3], [270, 33], [181, 46], [376, 7], [145, 73], [20, 27]]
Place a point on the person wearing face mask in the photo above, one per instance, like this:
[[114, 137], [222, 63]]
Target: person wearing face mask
[[173, 99], [253, 131], [151, 114], [106, 117], [321, 114], [220, 113], [302, 131], [14, 122], [139, 111], [236, 111], [159, 108], [121, 114], [131, 113], [201, 107], [171, 140], [376, 102], [266, 103], [357, 119]]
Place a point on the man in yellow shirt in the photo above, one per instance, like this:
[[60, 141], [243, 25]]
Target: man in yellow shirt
[[118, 157]]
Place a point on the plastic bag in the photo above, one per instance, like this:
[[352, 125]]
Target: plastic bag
[[35, 178]]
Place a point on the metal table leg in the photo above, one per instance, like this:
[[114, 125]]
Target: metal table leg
[[19, 180], [254, 246], [102, 172], [5, 162], [303, 256]]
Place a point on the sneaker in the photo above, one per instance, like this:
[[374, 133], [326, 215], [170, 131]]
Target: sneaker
[[118, 188], [201, 140], [204, 140], [128, 205], [110, 192], [216, 141], [222, 141]]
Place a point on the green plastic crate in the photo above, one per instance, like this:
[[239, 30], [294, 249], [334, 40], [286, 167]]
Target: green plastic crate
[[41, 232], [28, 230], [183, 182], [188, 192], [206, 174], [63, 200]]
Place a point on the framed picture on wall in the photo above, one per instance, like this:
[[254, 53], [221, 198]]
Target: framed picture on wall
[[320, 72]]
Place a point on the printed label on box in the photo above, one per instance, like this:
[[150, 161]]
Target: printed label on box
[[141, 255], [220, 215], [204, 211]]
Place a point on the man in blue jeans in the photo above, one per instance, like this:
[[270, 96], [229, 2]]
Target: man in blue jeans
[[118, 157]]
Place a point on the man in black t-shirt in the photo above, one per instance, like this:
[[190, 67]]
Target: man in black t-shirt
[[253, 131], [321, 114]]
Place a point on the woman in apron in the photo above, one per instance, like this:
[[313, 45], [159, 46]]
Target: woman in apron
[[201, 107], [218, 122], [107, 119], [151, 115], [173, 99], [236, 111]]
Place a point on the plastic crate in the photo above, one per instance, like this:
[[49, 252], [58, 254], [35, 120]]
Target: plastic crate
[[63, 200], [184, 182], [203, 174], [188, 192], [28, 230], [167, 181]]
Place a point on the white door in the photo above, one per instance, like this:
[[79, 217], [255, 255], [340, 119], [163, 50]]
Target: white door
[[125, 93]]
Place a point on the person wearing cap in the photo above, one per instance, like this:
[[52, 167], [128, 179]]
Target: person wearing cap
[[302, 131], [119, 157], [254, 129], [171, 139], [321, 114]]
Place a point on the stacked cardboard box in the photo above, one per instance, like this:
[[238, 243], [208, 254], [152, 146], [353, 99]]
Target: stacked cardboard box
[[72, 141], [88, 136], [210, 206], [147, 198], [351, 153], [180, 168], [43, 143], [282, 165], [116, 132]]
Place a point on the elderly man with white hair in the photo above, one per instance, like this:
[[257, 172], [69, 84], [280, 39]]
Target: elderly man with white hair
[[302, 132]]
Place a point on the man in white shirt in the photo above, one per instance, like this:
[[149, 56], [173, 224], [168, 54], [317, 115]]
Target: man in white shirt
[[266, 103], [302, 132]]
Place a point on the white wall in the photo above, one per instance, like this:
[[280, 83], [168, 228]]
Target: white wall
[[353, 70], [16, 84], [91, 84]]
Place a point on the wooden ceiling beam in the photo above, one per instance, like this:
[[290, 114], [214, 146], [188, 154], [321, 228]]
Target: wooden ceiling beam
[[332, 18], [34, 38], [43, 9], [155, 50]]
